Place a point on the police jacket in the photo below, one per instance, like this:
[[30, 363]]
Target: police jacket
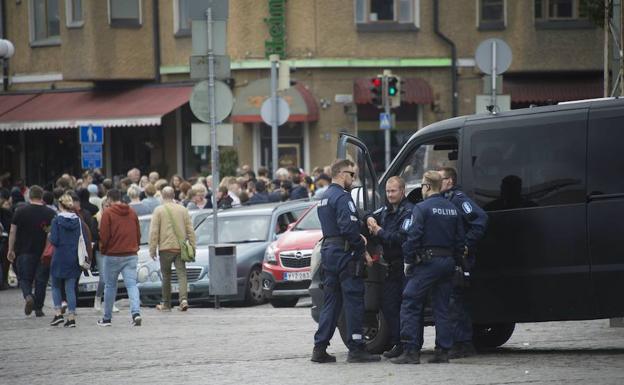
[[475, 219], [339, 220], [436, 223], [394, 225]]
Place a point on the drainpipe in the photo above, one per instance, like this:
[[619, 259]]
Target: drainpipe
[[5, 64], [156, 27], [436, 29]]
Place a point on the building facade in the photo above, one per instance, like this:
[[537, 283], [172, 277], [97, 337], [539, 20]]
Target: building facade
[[124, 65]]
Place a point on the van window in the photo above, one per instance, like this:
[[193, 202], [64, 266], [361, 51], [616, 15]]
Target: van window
[[529, 165], [431, 156], [606, 162]]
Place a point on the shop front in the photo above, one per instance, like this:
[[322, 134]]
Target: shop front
[[39, 132], [293, 136]]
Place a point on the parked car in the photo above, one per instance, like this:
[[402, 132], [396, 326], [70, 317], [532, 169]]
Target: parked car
[[286, 265], [544, 176], [251, 229]]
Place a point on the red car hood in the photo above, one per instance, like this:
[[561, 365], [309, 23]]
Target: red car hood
[[299, 240]]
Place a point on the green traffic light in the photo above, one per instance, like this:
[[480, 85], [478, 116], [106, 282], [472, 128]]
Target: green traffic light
[[392, 91]]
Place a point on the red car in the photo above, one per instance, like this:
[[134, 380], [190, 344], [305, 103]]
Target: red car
[[286, 265]]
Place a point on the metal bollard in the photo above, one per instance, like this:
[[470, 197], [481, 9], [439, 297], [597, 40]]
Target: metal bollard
[[222, 271]]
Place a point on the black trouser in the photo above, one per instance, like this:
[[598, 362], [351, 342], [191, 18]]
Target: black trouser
[[4, 264]]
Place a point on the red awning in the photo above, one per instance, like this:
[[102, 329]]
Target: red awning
[[301, 102], [135, 107], [415, 91], [552, 90]]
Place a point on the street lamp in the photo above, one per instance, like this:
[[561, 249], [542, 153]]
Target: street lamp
[[6, 51]]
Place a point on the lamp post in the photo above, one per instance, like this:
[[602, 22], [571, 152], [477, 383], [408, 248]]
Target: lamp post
[[6, 51]]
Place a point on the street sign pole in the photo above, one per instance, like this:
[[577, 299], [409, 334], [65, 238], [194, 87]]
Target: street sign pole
[[213, 131], [274, 124], [386, 102], [494, 73]]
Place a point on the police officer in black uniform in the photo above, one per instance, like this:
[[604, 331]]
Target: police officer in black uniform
[[389, 226], [435, 237], [475, 223], [343, 258]]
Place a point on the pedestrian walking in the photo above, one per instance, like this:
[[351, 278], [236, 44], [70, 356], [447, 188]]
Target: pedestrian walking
[[475, 223], [120, 236], [435, 237], [27, 238], [99, 262], [171, 224], [343, 256], [389, 227], [65, 232]]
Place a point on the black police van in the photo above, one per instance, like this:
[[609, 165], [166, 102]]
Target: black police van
[[552, 182]]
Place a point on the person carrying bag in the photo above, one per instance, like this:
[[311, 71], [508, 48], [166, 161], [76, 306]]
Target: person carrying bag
[[172, 246]]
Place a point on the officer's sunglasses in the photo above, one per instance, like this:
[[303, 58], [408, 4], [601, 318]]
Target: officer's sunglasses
[[351, 173], [425, 184]]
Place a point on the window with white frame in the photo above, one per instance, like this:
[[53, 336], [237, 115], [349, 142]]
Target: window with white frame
[[124, 13], [73, 10], [387, 14], [491, 14], [45, 24]]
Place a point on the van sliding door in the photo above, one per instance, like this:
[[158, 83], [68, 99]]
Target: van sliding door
[[528, 173], [605, 210]]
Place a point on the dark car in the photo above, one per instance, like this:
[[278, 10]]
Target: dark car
[[251, 229], [546, 176]]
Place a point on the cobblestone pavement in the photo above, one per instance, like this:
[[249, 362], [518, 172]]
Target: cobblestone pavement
[[263, 345]]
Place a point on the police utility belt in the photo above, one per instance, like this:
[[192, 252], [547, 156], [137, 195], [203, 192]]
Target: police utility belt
[[337, 241], [424, 255]]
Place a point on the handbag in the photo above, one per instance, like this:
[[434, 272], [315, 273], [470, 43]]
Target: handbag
[[83, 254], [187, 252], [46, 256]]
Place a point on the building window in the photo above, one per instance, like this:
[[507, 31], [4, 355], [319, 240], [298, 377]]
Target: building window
[[124, 13], [182, 17], [44, 22], [492, 15], [387, 15], [73, 10], [561, 13]]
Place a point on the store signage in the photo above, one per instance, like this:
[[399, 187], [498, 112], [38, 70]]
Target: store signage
[[276, 21]]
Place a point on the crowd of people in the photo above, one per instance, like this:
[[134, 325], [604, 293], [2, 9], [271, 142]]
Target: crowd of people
[[42, 228]]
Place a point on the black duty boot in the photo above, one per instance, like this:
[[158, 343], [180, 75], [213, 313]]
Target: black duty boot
[[469, 349], [320, 355], [440, 356], [457, 351], [361, 355], [396, 351], [409, 356]]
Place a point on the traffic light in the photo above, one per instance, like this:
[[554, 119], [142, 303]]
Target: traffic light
[[376, 90], [394, 91]]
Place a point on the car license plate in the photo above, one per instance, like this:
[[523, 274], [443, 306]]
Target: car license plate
[[92, 286], [297, 276], [175, 288]]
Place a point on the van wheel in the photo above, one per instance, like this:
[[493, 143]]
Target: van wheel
[[284, 302], [492, 336], [376, 333], [253, 293]]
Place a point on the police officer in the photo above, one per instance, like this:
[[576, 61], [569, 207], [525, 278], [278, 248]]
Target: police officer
[[434, 238], [389, 226], [475, 223], [343, 256]]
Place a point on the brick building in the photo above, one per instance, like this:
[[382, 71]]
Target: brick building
[[124, 65]]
